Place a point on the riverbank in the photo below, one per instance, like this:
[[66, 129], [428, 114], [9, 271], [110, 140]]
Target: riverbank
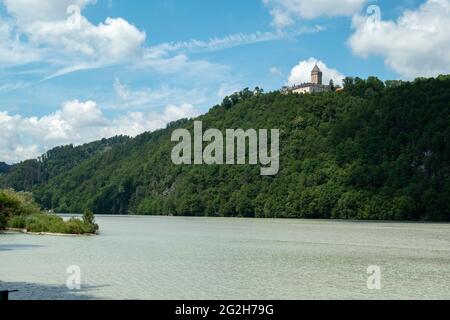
[[25, 231]]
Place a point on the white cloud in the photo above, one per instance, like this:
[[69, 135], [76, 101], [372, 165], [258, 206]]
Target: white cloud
[[71, 43], [137, 98], [12, 51], [44, 31], [275, 72], [76, 122], [285, 12], [115, 41], [135, 123], [28, 12], [417, 44], [301, 73], [65, 39]]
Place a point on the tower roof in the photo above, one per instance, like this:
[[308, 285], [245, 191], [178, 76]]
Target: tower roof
[[316, 69]]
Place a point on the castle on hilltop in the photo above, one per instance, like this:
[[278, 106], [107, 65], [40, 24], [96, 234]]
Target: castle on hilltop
[[314, 86]]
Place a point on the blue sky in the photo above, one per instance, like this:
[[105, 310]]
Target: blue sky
[[126, 67]]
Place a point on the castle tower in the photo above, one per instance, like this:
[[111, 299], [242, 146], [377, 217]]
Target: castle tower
[[316, 75]]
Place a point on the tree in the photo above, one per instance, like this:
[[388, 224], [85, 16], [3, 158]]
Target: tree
[[349, 84], [88, 217], [331, 84]]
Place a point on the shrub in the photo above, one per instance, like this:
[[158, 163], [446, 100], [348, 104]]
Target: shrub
[[45, 223], [19, 211], [75, 226], [88, 217], [17, 222], [17, 203], [8, 205], [89, 225]]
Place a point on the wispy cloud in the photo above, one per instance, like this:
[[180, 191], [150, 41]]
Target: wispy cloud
[[12, 86], [72, 68], [155, 98], [286, 12], [31, 35], [229, 41]]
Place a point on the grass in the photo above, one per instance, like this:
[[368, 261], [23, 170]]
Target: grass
[[45, 223]]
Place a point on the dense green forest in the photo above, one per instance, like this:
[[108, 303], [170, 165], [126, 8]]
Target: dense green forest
[[31, 173], [377, 150]]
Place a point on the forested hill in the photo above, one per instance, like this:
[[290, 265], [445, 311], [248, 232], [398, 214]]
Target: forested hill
[[30, 174], [375, 151], [4, 168]]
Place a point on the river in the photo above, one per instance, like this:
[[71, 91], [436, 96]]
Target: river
[[212, 258]]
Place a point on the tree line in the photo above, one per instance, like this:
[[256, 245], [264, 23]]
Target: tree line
[[378, 150]]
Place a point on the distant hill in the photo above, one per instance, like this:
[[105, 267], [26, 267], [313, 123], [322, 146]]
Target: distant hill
[[4, 168], [375, 151], [29, 174]]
